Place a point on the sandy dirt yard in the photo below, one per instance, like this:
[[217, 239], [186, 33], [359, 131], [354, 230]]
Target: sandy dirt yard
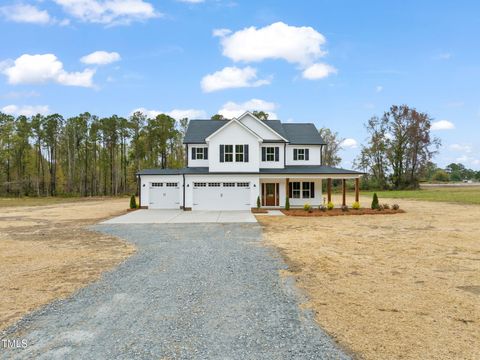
[[404, 286], [47, 253]]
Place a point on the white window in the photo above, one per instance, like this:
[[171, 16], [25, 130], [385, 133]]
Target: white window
[[172, 184], [156, 184], [228, 184], [270, 153], [200, 153], [296, 190], [301, 154], [239, 153], [228, 153], [199, 184], [243, 184], [305, 190], [214, 184]]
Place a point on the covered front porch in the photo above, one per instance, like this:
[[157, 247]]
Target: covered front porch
[[305, 189]]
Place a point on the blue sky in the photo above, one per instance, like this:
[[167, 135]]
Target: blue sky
[[333, 63]]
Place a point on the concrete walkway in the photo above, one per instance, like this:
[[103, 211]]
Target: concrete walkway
[[153, 216]]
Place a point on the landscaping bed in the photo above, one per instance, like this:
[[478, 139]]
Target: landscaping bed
[[340, 212], [259, 211]]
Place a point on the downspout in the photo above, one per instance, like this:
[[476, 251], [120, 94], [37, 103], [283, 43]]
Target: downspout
[[139, 191], [183, 192]]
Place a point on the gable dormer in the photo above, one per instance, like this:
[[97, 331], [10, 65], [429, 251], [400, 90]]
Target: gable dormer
[[261, 128]]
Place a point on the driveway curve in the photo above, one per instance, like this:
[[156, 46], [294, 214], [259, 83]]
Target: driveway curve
[[192, 291]]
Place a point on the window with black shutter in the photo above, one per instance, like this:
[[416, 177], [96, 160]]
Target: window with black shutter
[[222, 153]]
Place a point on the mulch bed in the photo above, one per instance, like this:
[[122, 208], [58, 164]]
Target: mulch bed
[[339, 212], [259, 211]]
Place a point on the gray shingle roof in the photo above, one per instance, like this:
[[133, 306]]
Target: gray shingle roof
[[297, 134], [301, 169], [303, 134]]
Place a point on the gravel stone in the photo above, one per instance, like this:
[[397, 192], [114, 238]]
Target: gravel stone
[[192, 291]]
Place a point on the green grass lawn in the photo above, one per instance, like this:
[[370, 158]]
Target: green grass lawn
[[49, 200], [461, 195]]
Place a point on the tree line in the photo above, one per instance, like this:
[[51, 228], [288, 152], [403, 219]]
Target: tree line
[[84, 155]]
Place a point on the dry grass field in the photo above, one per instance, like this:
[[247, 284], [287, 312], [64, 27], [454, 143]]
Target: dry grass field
[[47, 253], [404, 286]]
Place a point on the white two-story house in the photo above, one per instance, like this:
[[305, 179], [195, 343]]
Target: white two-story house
[[232, 163]]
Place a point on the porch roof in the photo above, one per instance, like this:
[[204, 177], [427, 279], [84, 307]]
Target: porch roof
[[298, 169]]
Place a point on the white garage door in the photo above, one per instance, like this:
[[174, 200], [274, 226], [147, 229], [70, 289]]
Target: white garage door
[[164, 195], [221, 196]]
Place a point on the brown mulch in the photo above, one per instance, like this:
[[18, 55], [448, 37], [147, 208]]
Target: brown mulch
[[259, 211], [339, 212]]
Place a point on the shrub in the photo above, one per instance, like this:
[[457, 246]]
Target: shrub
[[133, 202], [307, 207], [344, 208], [258, 202], [395, 206], [356, 205], [380, 208], [375, 204], [287, 204], [386, 206], [330, 205], [322, 208]]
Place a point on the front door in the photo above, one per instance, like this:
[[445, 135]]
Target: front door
[[270, 194]]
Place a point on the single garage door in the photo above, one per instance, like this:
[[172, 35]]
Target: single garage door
[[164, 195], [221, 196]]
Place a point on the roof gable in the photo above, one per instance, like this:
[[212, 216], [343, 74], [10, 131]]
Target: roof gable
[[230, 123], [260, 127]]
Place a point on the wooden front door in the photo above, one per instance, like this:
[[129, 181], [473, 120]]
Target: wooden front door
[[270, 194]]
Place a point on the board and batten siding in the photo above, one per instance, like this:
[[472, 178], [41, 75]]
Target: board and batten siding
[[314, 155]]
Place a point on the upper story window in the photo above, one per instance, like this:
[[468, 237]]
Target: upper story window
[[239, 153], [229, 153], [199, 153], [270, 153], [301, 154]]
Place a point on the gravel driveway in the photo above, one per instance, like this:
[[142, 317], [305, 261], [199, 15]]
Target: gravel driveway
[[192, 291]]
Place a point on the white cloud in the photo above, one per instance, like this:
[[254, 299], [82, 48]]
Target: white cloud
[[379, 88], [232, 109], [192, 1], [24, 13], [177, 114], [232, 77], [442, 125], [100, 58], [461, 148], [221, 32], [444, 56], [38, 69], [26, 110], [318, 71], [109, 12], [300, 45], [349, 143]]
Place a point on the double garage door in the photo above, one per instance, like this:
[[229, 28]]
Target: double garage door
[[221, 196], [164, 195]]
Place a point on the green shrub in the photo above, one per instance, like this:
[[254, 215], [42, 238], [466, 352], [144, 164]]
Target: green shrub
[[356, 205], [395, 206], [258, 202], [375, 204], [380, 208], [330, 205], [307, 207], [386, 206], [344, 208], [133, 202], [322, 208], [287, 204]]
